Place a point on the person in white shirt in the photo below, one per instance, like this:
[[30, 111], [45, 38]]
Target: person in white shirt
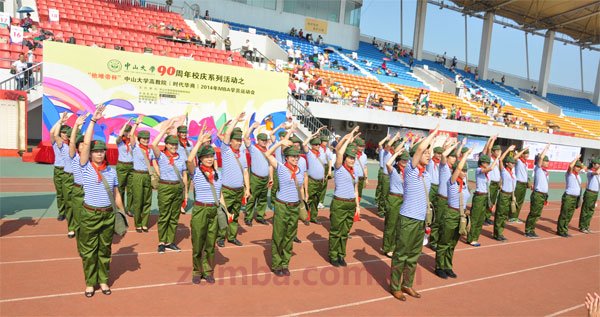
[[290, 53], [298, 55], [18, 67]]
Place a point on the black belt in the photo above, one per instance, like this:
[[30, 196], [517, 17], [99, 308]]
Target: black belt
[[344, 199], [59, 167], [522, 182], [201, 204], [442, 196], [494, 182], [234, 189], [126, 163], [92, 208], [591, 191], [316, 180], [361, 178], [452, 208], [480, 194], [168, 182], [261, 177], [540, 192], [141, 172], [69, 173], [507, 193], [286, 203]]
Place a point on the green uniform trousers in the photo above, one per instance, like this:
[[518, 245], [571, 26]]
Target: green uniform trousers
[[378, 188], [204, 234], [315, 187], [448, 238], [342, 218], [77, 204], [494, 190], [433, 197], [520, 191], [141, 191], [274, 189], [125, 175], [587, 209], [95, 242], [536, 206], [233, 201], [170, 198], [258, 201], [58, 182], [324, 190], [567, 209], [438, 220], [479, 207], [390, 222], [383, 207], [361, 186], [285, 228], [502, 212], [409, 244], [67, 189]]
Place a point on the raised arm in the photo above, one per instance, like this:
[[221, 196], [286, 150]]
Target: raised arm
[[305, 143], [491, 145], [540, 159], [382, 142], [423, 146], [120, 137], [227, 136], [72, 145], [84, 156], [269, 154], [132, 136], [460, 166], [572, 164], [397, 151], [163, 130], [272, 132], [248, 133], [447, 152], [191, 160], [57, 139], [501, 158], [341, 147], [518, 154]]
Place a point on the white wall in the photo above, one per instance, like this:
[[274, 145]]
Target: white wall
[[339, 34], [260, 42]]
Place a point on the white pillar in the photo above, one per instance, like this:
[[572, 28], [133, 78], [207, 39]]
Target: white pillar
[[279, 6], [342, 11], [596, 98], [419, 29], [546, 61], [486, 43]]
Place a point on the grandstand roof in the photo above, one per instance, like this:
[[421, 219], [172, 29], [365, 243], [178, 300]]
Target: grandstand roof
[[578, 19]]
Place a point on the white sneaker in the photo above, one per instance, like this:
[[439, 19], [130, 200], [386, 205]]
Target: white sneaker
[[321, 206]]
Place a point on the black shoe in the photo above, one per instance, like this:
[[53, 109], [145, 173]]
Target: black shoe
[[433, 247], [450, 273], [564, 235], [138, 230], [488, 222], [527, 235], [286, 272], [248, 223], [278, 272], [315, 221], [71, 235], [161, 248], [172, 247], [334, 263], [196, 279], [306, 223], [221, 243], [106, 291], [209, 279], [534, 235], [297, 240], [90, 294], [342, 262], [262, 221], [236, 242], [145, 229], [62, 218], [441, 273]]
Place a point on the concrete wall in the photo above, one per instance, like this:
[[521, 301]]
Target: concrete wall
[[260, 42], [339, 34]]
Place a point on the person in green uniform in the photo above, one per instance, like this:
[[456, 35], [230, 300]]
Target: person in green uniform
[[141, 185], [97, 220], [382, 207], [290, 195], [395, 166], [506, 197], [207, 200], [60, 135], [523, 183], [570, 198], [76, 190], [279, 156], [329, 161], [590, 196], [539, 193], [360, 166], [380, 153], [479, 205], [125, 165], [494, 152], [261, 176]]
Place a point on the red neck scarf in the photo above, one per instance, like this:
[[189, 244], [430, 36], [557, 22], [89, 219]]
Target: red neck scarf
[[145, 150], [460, 184], [486, 174], [545, 171], [235, 152], [436, 161], [401, 170], [293, 169], [421, 169], [523, 160], [99, 169], [171, 157], [126, 140], [261, 148], [510, 172], [324, 147], [315, 152], [392, 151], [209, 172], [358, 154], [183, 141], [350, 170]]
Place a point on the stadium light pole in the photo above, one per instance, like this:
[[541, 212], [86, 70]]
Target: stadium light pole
[[527, 56], [401, 24], [466, 43], [581, 65]]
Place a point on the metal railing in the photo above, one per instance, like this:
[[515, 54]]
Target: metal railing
[[306, 118], [25, 80]]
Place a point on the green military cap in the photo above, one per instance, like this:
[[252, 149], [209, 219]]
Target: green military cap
[[496, 148], [465, 167], [171, 139], [413, 149], [237, 134], [453, 153], [262, 137], [66, 129], [143, 134], [324, 138], [206, 150], [546, 159], [579, 164], [98, 145], [181, 129], [396, 143], [78, 140], [464, 150], [404, 156], [359, 142], [315, 141], [596, 160], [128, 128], [295, 139], [291, 151], [484, 159], [350, 151], [281, 134], [526, 151], [438, 150], [509, 159]]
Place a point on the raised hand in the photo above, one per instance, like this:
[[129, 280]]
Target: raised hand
[[286, 142], [511, 148], [64, 117], [139, 119], [99, 113], [255, 125], [241, 116], [81, 119]]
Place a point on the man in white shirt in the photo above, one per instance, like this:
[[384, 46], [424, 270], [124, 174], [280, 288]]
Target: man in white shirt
[[19, 66]]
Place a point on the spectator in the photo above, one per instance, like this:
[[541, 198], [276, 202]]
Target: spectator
[[503, 79], [18, 68], [213, 39], [293, 31], [395, 102], [374, 42], [355, 96], [227, 43], [301, 34], [290, 52], [453, 62], [493, 81], [206, 15], [247, 49], [444, 113], [26, 23], [319, 40], [297, 55]]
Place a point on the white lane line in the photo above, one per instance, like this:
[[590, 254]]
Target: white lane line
[[566, 310]]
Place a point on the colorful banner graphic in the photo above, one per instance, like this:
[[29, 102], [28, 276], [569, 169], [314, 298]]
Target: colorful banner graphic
[[77, 78]]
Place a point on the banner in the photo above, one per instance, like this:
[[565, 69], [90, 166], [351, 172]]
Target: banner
[[4, 19], [314, 25], [53, 15], [205, 95], [13, 105], [559, 155], [16, 34]]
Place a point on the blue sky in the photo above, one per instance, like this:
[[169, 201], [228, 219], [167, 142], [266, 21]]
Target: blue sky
[[444, 31]]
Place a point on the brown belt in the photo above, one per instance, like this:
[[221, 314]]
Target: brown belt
[[456, 209], [77, 185], [140, 172], [361, 178], [522, 182], [168, 182], [541, 193], [442, 196], [234, 189], [592, 191], [352, 200], [316, 180], [286, 203], [572, 195], [60, 167], [397, 195], [261, 177], [494, 182], [201, 204], [506, 193], [92, 208], [126, 163], [480, 194]]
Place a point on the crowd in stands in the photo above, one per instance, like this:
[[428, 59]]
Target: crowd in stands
[[307, 36]]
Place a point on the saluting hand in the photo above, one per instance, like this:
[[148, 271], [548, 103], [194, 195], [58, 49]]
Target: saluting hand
[[99, 113]]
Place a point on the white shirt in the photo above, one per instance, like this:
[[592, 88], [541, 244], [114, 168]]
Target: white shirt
[[20, 67]]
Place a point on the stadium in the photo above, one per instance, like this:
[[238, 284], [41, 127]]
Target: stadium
[[328, 157]]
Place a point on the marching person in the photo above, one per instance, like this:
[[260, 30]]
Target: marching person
[[67, 178], [590, 196], [141, 187], [522, 185], [317, 174], [97, 220], [326, 151], [236, 181], [360, 166], [385, 186], [208, 197], [411, 223], [539, 194], [395, 166], [291, 193], [507, 192], [60, 135], [125, 165], [76, 197], [458, 196], [570, 198], [261, 176], [479, 206], [345, 204], [184, 148], [494, 152], [433, 168], [279, 157], [172, 187], [380, 153]]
